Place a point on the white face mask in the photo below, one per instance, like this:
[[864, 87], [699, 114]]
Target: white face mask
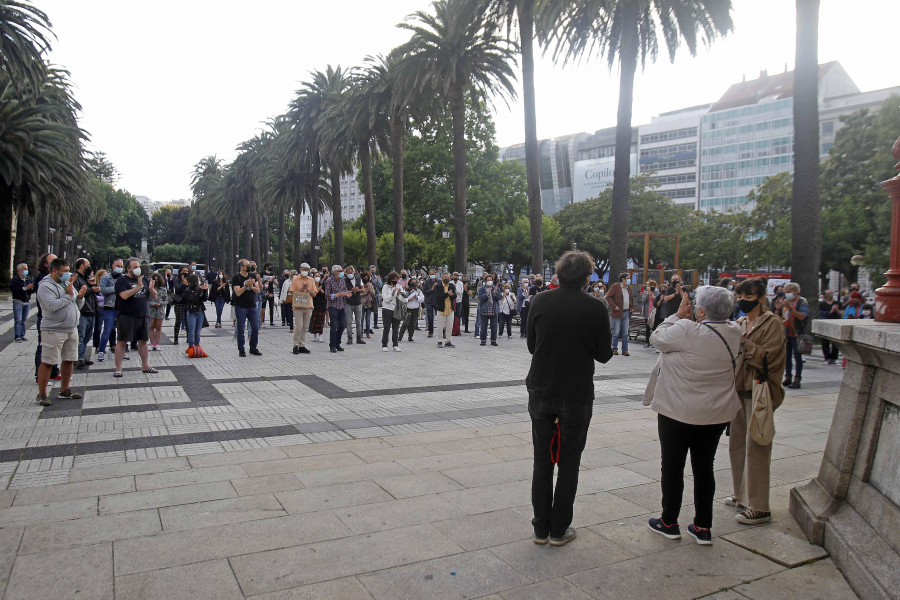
[[789, 296], [489, 283], [730, 287], [137, 272], [596, 289], [304, 273], [317, 279]]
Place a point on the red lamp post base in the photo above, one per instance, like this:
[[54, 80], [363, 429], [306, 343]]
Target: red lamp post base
[[887, 297]]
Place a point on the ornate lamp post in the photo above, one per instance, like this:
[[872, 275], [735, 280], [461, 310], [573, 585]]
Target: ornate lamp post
[[887, 297]]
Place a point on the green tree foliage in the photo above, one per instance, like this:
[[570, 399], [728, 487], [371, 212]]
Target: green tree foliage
[[169, 225], [176, 253], [414, 249]]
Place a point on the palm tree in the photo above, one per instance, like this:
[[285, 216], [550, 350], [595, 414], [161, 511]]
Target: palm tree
[[206, 181], [24, 37], [454, 53], [806, 225], [528, 13], [625, 31], [391, 98]]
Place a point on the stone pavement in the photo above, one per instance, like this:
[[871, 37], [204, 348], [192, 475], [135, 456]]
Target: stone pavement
[[364, 475]]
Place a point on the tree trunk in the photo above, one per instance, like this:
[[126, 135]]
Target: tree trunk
[[264, 241], [314, 212], [371, 242], [806, 223], [282, 221], [43, 228], [6, 219], [256, 238], [398, 149], [248, 244], [337, 220], [298, 233], [22, 222], [532, 156], [235, 247], [458, 114], [618, 238]]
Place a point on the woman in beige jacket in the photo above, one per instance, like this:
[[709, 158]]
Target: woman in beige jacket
[[762, 340], [692, 389]]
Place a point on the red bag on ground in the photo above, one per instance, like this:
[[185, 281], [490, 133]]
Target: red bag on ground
[[455, 325]]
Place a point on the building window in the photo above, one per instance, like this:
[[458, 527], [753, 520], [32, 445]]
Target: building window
[[827, 127], [674, 134]]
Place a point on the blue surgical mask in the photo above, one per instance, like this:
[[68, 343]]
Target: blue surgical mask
[[64, 278], [25, 273], [118, 270], [433, 276], [340, 274]]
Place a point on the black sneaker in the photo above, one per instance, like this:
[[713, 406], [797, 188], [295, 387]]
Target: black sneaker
[[703, 536], [255, 352], [538, 539], [334, 351], [795, 385], [449, 345], [242, 354], [43, 400], [79, 364], [748, 516], [564, 539], [296, 350], [360, 342], [350, 342], [787, 381], [340, 349], [673, 532], [484, 343], [303, 350], [494, 344]]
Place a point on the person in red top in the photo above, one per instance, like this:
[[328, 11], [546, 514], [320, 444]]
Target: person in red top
[[554, 283]]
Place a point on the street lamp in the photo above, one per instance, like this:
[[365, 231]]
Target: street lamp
[[858, 260], [69, 237], [445, 232], [574, 245]]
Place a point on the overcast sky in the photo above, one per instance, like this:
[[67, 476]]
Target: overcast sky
[[164, 83]]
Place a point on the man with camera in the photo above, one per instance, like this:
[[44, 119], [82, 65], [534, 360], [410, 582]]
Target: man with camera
[[59, 304], [85, 279], [246, 287]]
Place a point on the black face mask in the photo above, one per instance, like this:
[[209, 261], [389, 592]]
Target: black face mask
[[747, 306]]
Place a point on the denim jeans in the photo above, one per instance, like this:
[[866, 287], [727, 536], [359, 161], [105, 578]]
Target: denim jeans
[[338, 318], [367, 319], [429, 318], [478, 321], [793, 355], [523, 320], [20, 314], [220, 304], [109, 329], [486, 320], [247, 316], [553, 508], [620, 329], [85, 332], [194, 325], [675, 439]]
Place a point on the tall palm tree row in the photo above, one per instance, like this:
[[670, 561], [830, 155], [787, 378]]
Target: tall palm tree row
[[626, 33]]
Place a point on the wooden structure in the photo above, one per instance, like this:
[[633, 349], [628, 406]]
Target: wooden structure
[[652, 234]]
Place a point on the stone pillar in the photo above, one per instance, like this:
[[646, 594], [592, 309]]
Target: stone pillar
[[852, 507]]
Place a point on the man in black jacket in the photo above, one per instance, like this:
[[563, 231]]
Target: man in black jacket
[[567, 331], [428, 288], [85, 278]]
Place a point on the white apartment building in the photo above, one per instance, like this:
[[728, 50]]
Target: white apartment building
[[353, 205]]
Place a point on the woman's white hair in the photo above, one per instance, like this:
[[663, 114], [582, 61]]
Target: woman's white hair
[[717, 302]]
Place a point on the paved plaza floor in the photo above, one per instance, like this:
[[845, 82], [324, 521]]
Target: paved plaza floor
[[365, 474]]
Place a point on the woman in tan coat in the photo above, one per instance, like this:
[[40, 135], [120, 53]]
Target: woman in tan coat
[[762, 339]]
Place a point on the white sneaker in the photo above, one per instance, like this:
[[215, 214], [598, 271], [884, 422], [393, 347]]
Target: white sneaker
[[101, 356], [397, 349], [384, 348]]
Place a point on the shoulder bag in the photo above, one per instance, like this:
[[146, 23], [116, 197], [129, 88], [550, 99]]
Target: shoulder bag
[[762, 418], [301, 299]]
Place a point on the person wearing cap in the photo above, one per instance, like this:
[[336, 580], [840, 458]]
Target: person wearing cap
[[336, 294], [302, 289]]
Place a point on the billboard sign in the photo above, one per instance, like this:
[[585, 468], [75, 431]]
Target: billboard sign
[[594, 175]]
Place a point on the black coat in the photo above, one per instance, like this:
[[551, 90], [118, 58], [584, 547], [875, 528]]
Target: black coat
[[567, 331]]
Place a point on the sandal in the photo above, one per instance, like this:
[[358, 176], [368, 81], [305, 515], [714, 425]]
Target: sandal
[[150, 370], [117, 374]]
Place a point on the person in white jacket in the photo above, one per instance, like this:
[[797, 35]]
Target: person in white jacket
[[692, 390], [392, 294]]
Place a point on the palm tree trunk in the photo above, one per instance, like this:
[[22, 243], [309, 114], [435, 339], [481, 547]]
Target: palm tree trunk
[[806, 223], [264, 239], [618, 238], [314, 212], [398, 147], [256, 238], [248, 244], [338, 220], [6, 219], [532, 158], [22, 222], [282, 220], [371, 242], [458, 114], [298, 233], [235, 247], [43, 230]]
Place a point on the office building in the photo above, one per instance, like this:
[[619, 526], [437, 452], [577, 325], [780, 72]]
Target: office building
[[353, 205]]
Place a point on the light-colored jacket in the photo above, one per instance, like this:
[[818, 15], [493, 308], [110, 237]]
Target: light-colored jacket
[[60, 310], [389, 299], [693, 381], [108, 289]]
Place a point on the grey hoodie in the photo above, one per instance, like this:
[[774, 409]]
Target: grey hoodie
[[60, 310]]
